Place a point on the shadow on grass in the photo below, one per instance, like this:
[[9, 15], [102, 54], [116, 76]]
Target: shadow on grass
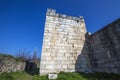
[[33, 72], [101, 76]]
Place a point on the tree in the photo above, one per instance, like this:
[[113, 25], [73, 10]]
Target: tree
[[34, 55], [23, 54]]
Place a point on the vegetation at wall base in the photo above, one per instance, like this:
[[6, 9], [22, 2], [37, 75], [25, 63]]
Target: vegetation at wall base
[[20, 60], [61, 76], [15, 76], [6, 55], [17, 59]]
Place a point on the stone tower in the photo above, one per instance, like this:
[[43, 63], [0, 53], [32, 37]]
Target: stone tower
[[63, 42]]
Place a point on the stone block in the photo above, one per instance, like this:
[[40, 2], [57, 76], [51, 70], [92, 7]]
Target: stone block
[[51, 67], [52, 76], [64, 66]]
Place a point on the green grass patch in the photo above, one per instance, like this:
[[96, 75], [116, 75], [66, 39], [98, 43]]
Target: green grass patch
[[101, 76], [15, 76], [37, 77], [61, 76], [70, 76]]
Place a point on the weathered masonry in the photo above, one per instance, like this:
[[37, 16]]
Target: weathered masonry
[[104, 48], [68, 47], [63, 42]]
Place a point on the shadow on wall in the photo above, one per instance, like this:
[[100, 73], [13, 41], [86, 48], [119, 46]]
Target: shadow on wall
[[101, 50], [84, 62]]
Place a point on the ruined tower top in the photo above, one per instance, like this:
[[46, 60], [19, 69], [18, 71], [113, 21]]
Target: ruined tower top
[[52, 12]]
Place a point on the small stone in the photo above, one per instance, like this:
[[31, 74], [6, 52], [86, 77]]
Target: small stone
[[52, 76]]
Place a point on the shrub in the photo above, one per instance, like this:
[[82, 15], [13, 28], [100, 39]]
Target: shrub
[[20, 59], [6, 55]]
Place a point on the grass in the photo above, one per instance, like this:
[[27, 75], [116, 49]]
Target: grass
[[70, 76], [15, 76], [101, 76], [61, 76], [33, 71]]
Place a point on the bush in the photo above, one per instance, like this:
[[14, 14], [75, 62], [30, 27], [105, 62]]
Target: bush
[[20, 60], [6, 55]]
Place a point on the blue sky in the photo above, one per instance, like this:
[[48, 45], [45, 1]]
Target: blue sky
[[22, 21]]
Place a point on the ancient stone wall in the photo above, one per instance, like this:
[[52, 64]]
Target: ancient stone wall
[[105, 48], [63, 43], [67, 47], [8, 64]]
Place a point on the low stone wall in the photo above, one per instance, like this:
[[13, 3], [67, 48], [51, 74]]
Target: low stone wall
[[8, 64]]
